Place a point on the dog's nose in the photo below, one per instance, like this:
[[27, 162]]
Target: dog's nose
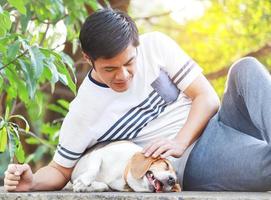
[[171, 180]]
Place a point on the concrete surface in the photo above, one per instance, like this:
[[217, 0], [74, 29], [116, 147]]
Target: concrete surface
[[69, 195]]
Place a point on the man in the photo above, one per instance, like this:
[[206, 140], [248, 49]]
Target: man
[[149, 91]]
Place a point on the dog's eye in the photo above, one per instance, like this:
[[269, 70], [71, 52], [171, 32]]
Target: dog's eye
[[167, 165]]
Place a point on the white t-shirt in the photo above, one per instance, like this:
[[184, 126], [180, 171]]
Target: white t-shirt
[[154, 106]]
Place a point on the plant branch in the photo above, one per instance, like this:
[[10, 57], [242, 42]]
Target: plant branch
[[153, 16], [25, 51], [44, 35], [263, 51], [37, 137]]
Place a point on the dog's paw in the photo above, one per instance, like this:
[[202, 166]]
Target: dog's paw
[[79, 186], [99, 187]]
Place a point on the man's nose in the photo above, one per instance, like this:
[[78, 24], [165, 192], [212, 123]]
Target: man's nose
[[122, 74]]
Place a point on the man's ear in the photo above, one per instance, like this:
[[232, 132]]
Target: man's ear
[[88, 59], [140, 165]]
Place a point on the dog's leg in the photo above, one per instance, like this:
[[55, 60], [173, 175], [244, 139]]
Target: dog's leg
[[86, 179], [98, 187], [120, 185], [93, 187]]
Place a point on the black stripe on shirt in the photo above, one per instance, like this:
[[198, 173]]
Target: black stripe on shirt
[[181, 70], [125, 116]]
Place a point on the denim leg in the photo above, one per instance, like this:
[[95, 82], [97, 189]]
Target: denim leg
[[247, 99], [234, 151], [225, 159]]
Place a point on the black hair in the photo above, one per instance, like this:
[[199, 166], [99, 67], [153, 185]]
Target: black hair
[[106, 33]]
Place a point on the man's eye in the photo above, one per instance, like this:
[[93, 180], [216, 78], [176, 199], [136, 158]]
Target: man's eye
[[108, 69], [129, 64]]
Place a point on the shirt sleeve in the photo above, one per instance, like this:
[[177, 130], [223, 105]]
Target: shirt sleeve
[[180, 67], [74, 136]]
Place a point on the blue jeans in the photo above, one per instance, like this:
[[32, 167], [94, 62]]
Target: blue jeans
[[234, 151]]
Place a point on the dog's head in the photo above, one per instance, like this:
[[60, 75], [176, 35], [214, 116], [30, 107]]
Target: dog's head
[[157, 174]]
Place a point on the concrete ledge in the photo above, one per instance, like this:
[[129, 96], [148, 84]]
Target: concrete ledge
[[69, 195]]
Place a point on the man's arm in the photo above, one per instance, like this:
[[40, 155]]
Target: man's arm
[[205, 103], [51, 177]]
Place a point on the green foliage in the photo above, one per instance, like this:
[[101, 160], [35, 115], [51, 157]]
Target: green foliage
[[50, 132], [30, 60], [9, 134]]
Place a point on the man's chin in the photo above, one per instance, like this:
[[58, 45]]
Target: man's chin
[[123, 89], [120, 87]]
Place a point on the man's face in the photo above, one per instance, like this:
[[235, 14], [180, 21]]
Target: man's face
[[116, 72]]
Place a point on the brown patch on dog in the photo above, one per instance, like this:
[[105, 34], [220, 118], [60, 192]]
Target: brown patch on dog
[[141, 164]]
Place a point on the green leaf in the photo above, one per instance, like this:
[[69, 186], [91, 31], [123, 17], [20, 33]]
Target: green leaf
[[67, 80], [63, 103], [14, 128], [2, 31], [19, 5], [12, 145], [13, 50], [22, 118], [24, 20], [4, 41], [53, 70], [94, 5], [49, 129], [1, 82], [37, 60], [69, 62], [23, 91], [63, 79], [57, 109], [31, 82], [29, 158], [12, 76], [12, 92], [32, 141], [3, 139], [5, 23], [19, 153], [7, 113]]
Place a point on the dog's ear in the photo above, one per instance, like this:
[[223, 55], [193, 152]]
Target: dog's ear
[[176, 188], [140, 164]]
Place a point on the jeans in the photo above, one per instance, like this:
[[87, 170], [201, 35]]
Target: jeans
[[234, 151]]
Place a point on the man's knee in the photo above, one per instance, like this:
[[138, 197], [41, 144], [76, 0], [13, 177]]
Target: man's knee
[[245, 65], [246, 70]]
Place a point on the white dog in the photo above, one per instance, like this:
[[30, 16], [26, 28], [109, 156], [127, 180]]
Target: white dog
[[120, 166]]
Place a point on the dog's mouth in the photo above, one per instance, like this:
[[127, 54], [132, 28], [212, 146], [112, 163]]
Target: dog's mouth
[[157, 185]]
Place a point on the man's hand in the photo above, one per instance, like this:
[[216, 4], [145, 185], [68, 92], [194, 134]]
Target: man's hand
[[18, 178], [164, 148]]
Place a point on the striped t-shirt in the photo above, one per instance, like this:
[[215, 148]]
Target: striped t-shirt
[[154, 106]]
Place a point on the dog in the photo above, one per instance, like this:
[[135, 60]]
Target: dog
[[120, 166]]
